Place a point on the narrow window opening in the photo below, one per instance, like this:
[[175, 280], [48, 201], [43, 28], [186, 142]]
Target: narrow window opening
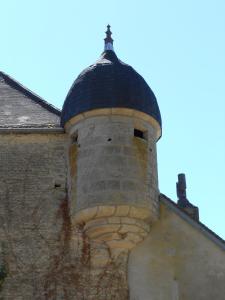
[[109, 140], [140, 134], [74, 138]]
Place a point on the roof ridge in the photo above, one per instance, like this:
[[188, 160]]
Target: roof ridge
[[19, 87]]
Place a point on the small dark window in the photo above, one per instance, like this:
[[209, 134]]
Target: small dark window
[[74, 138], [140, 134], [57, 185]]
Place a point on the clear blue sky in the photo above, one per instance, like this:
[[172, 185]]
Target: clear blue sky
[[177, 46]]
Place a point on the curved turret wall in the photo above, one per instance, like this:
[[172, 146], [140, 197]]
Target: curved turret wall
[[113, 173]]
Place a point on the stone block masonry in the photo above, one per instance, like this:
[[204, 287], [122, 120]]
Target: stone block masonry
[[113, 167], [42, 257], [113, 187], [32, 189]]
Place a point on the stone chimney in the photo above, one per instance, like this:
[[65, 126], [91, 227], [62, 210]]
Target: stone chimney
[[183, 202]]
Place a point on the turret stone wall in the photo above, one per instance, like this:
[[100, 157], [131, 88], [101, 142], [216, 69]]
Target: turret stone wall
[[113, 178]]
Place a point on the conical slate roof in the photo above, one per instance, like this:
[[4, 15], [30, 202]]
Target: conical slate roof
[[109, 83]]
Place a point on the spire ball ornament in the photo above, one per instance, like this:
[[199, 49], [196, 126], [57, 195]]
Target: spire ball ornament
[[108, 40]]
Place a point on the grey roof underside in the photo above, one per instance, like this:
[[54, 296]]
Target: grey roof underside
[[21, 108]]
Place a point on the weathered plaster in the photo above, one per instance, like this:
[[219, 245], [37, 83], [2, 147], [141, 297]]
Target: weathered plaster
[[176, 261]]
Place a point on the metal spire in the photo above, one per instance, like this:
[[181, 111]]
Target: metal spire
[[108, 40]]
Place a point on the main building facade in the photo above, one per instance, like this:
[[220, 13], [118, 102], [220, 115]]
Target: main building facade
[[81, 215]]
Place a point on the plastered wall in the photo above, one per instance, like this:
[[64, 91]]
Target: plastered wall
[[176, 262]]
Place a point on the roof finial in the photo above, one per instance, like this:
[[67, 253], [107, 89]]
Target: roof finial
[[108, 40]]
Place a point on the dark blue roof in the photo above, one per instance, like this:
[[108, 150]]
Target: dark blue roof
[[109, 83]]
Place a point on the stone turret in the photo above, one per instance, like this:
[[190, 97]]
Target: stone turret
[[113, 122]]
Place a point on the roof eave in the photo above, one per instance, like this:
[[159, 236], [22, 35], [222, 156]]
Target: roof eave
[[196, 224]]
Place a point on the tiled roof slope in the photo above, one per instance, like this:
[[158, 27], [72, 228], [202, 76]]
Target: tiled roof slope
[[21, 108], [197, 224]]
